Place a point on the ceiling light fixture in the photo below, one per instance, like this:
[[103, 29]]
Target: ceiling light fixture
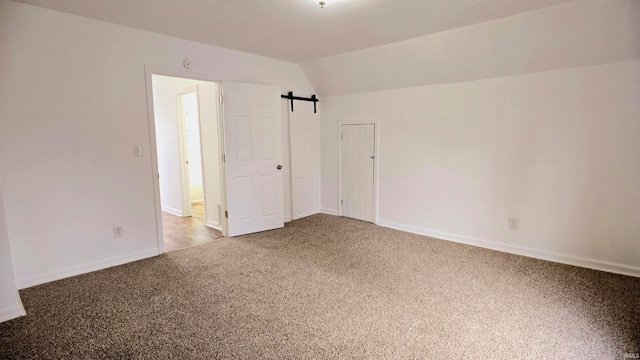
[[322, 4]]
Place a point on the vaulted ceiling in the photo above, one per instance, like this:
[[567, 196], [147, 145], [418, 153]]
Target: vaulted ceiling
[[295, 30]]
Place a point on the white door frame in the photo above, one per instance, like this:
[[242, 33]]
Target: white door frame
[[376, 136], [183, 152], [183, 73]]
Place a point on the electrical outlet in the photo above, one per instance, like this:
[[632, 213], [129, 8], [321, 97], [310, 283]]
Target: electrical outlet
[[513, 223], [117, 231]]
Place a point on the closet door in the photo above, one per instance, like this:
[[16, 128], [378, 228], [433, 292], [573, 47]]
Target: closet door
[[304, 127], [357, 171]]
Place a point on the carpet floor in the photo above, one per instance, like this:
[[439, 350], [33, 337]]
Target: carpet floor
[[330, 287]]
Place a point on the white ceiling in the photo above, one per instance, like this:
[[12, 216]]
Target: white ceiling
[[295, 30]]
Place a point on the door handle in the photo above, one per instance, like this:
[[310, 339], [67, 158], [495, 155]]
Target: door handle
[[279, 167]]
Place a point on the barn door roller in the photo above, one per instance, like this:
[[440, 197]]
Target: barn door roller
[[291, 97]]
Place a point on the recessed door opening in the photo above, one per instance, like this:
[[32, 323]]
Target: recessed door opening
[[187, 148], [240, 154]]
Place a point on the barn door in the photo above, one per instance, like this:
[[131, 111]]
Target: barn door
[[357, 171], [304, 125], [253, 153]]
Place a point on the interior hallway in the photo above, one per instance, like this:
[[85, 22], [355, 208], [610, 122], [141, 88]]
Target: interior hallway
[[180, 233]]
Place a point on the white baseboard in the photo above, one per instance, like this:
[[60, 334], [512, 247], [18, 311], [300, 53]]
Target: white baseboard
[[329, 211], [214, 225], [172, 211], [287, 218], [518, 250], [46, 277], [11, 313], [197, 200]]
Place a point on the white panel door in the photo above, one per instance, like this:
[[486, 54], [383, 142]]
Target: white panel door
[[304, 128], [357, 161], [253, 152]]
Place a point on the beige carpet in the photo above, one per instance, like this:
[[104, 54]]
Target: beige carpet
[[329, 287]]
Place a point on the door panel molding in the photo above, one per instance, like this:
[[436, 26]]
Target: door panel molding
[[253, 151]]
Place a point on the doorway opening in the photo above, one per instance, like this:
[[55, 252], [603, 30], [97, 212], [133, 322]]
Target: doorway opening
[[242, 173], [186, 119]]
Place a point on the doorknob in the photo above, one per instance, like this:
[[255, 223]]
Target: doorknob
[[279, 167]]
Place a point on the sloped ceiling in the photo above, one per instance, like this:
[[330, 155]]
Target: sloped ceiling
[[353, 46], [579, 33], [295, 30]]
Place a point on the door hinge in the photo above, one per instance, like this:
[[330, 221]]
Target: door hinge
[[341, 202], [226, 214], [341, 138], [224, 158], [221, 99]]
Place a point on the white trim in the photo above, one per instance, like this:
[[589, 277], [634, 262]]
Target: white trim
[[287, 218], [518, 250], [197, 200], [329, 211], [171, 210], [11, 313], [214, 225], [46, 277], [222, 205], [153, 152]]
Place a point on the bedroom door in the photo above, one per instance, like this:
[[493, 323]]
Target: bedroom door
[[253, 157]]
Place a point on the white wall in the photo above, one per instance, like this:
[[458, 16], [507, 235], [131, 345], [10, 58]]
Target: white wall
[[76, 97], [558, 150], [10, 304], [555, 145]]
